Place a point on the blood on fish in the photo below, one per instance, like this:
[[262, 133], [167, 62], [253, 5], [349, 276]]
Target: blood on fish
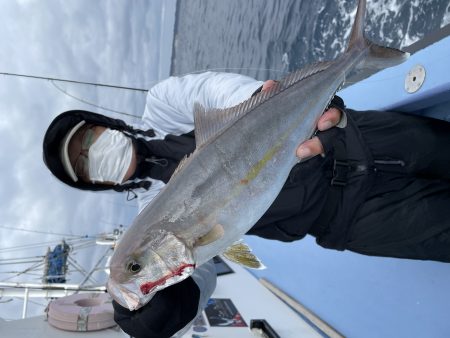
[[149, 286]]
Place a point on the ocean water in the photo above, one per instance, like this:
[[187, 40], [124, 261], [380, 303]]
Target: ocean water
[[267, 38]]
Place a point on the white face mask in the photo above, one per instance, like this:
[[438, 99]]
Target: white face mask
[[110, 157]]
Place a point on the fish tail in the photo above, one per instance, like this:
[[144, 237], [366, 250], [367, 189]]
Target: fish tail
[[378, 57]]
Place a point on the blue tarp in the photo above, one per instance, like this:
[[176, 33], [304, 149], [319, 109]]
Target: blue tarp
[[56, 264]]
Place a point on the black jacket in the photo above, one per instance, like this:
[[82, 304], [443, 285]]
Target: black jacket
[[164, 155], [167, 312], [322, 195]]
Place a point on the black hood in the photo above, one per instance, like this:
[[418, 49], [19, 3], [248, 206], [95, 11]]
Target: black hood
[[59, 128]]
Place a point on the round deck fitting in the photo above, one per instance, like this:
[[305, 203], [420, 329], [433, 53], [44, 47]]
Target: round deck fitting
[[414, 79]]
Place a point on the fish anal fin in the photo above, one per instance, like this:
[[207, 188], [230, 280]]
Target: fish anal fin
[[240, 253], [213, 235]]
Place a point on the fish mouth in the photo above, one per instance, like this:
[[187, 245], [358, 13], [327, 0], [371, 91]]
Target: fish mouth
[[128, 295], [124, 295], [167, 261]]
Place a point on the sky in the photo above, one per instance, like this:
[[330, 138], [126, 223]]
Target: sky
[[118, 42]]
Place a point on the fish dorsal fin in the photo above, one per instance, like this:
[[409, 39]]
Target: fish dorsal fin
[[241, 253], [205, 124], [303, 73], [213, 235], [211, 122], [180, 165]]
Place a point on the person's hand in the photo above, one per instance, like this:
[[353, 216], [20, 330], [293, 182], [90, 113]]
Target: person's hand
[[313, 146], [329, 119], [269, 84]]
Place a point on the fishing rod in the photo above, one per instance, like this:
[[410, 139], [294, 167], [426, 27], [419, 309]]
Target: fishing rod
[[52, 81], [74, 81]]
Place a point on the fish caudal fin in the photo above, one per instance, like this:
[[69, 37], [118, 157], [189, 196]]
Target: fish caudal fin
[[378, 57], [240, 253]]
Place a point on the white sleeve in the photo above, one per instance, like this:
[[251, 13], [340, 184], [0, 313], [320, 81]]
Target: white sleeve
[[205, 277], [170, 104]]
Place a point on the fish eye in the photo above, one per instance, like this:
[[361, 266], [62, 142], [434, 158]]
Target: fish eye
[[133, 267]]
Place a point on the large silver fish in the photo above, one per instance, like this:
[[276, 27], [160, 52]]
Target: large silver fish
[[243, 157]]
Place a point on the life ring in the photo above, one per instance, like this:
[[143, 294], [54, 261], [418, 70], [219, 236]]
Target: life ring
[[82, 312]]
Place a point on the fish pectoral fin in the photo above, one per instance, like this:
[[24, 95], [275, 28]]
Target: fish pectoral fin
[[241, 253], [213, 235]]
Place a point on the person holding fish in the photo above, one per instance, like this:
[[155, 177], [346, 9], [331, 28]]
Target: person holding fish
[[78, 143], [376, 189], [77, 149]]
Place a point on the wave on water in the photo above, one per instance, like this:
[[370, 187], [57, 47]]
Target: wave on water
[[446, 18], [267, 39]]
